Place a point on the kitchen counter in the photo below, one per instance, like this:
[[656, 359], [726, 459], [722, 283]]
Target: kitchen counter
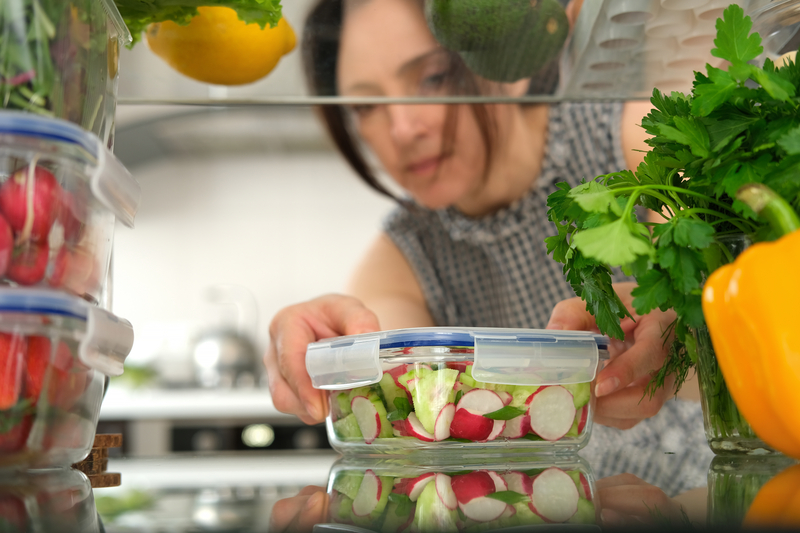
[[259, 491]]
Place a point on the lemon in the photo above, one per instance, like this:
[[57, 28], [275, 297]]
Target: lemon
[[216, 47]]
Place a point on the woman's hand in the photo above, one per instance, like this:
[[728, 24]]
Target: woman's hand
[[290, 332], [300, 513], [621, 384], [628, 501]]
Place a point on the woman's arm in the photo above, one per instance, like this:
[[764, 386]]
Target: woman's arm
[[386, 284], [633, 135]]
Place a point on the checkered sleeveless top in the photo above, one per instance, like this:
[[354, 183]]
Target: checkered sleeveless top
[[495, 271]]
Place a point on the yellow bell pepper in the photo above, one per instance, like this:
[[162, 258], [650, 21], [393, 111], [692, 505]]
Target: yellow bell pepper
[[777, 503], [750, 309]]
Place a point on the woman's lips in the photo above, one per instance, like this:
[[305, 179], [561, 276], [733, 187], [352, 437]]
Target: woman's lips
[[425, 166]]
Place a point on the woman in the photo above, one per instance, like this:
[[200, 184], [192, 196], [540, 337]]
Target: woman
[[466, 244]]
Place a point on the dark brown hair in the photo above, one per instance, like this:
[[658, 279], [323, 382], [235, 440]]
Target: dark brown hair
[[320, 51]]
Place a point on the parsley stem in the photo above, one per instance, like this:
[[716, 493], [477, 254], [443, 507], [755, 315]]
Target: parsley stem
[[721, 218], [672, 188]]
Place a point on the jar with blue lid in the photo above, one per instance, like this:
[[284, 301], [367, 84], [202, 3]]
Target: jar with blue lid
[[476, 390]]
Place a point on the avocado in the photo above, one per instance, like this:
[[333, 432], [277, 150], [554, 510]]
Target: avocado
[[525, 51], [474, 24]]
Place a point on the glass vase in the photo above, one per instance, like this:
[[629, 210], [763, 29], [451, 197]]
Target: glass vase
[[726, 429]]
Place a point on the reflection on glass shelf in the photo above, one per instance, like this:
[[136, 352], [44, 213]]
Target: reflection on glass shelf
[[557, 50]]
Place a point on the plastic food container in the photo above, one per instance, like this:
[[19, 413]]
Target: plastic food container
[[479, 390], [55, 353], [50, 500], [391, 497], [61, 60], [61, 191]]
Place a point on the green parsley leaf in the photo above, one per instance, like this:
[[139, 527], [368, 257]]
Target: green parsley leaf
[[790, 141], [595, 198], [615, 244], [733, 42], [403, 502], [402, 410]]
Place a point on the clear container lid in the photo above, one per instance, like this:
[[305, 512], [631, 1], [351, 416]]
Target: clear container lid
[[110, 181], [107, 340], [499, 355]]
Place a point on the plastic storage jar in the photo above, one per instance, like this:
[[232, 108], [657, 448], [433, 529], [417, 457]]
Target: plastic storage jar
[[55, 353], [476, 390], [61, 191], [400, 496], [61, 60], [56, 499]]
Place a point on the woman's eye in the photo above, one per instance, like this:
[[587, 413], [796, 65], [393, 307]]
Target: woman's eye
[[433, 82], [362, 110]]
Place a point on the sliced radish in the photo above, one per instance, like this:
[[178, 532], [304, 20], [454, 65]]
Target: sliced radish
[[441, 428], [583, 417], [497, 429], [369, 421], [517, 427], [411, 384], [396, 372], [481, 401], [412, 487], [368, 495], [519, 482], [444, 489], [500, 484], [555, 496], [584, 489], [483, 509], [400, 428], [472, 485], [468, 424], [552, 412], [461, 366], [505, 396], [415, 429]]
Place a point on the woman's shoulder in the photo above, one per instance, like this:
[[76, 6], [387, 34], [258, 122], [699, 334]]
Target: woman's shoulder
[[409, 218]]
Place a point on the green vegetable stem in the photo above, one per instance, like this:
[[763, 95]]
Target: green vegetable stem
[[737, 126]]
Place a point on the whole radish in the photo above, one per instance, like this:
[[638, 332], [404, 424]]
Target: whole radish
[[42, 197], [28, 263]]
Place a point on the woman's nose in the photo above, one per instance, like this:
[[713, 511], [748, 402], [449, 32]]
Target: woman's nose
[[407, 122]]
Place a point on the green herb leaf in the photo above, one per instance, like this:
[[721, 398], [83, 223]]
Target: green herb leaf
[[790, 141], [505, 413], [402, 410], [733, 42], [709, 96], [509, 496], [403, 502], [595, 198], [615, 244]]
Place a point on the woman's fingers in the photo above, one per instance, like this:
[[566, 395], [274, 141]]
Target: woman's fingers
[[300, 513], [292, 329]]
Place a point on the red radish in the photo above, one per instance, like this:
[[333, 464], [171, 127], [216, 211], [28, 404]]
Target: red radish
[[368, 495], [396, 372], [461, 366], [414, 428], [505, 396], [500, 484], [584, 489], [584, 416], [411, 384], [519, 482], [471, 492], [441, 428], [552, 412], [497, 429], [28, 263], [68, 377], [42, 196], [444, 489], [468, 424], [472, 485], [412, 487], [74, 270], [6, 245], [12, 368], [517, 427], [555, 496], [481, 401], [369, 421], [399, 428], [72, 215]]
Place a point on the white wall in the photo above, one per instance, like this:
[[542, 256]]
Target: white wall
[[287, 227]]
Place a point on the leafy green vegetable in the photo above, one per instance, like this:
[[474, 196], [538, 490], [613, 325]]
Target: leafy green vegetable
[[138, 14], [738, 126], [402, 410], [404, 503], [509, 496], [505, 413]]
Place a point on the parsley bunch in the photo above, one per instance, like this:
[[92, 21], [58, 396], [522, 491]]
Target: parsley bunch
[[738, 126]]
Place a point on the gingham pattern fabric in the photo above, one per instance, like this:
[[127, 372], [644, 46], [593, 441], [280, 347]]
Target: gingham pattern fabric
[[495, 271]]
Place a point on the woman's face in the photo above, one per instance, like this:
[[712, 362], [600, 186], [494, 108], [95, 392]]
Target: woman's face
[[387, 50]]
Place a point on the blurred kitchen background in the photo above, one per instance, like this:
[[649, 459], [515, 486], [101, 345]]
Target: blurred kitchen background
[[245, 209]]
